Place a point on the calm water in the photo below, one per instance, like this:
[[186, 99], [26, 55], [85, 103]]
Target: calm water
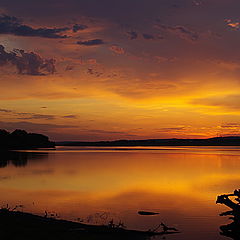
[[98, 184]]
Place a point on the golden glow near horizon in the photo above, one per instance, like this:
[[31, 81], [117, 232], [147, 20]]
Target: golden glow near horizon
[[122, 75]]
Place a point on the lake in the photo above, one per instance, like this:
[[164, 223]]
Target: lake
[[97, 184]]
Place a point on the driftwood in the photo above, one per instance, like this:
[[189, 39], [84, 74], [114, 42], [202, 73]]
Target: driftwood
[[231, 230]]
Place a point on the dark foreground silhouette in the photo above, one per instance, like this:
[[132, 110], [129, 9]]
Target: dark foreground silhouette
[[146, 213], [20, 139], [231, 230], [218, 141], [25, 226]]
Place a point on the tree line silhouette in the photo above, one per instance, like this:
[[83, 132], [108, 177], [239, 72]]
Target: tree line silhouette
[[20, 139], [216, 141]]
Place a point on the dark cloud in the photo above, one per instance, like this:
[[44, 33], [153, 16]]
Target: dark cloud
[[100, 131], [92, 42], [70, 116], [117, 11], [171, 129], [27, 63], [231, 125], [24, 115], [31, 127], [27, 116], [148, 36], [5, 110], [197, 3], [181, 31], [36, 116], [132, 35], [94, 72], [12, 25], [79, 27], [230, 101]]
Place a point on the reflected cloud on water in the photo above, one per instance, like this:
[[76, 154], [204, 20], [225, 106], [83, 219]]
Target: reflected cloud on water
[[181, 186]]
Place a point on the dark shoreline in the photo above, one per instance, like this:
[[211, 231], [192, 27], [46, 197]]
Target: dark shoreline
[[218, 141], [26, 226]]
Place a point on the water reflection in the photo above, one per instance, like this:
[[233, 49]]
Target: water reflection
[[19, 159], [231, 230], [180, 185]]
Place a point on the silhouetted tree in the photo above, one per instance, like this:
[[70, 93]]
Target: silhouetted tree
[[20, 139]]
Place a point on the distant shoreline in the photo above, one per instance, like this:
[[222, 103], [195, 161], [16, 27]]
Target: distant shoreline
[[218, 141]]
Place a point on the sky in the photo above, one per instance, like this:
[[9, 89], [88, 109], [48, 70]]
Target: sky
[[93, 70]]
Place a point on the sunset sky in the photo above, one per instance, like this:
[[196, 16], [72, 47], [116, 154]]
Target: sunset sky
[[120, 69]]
